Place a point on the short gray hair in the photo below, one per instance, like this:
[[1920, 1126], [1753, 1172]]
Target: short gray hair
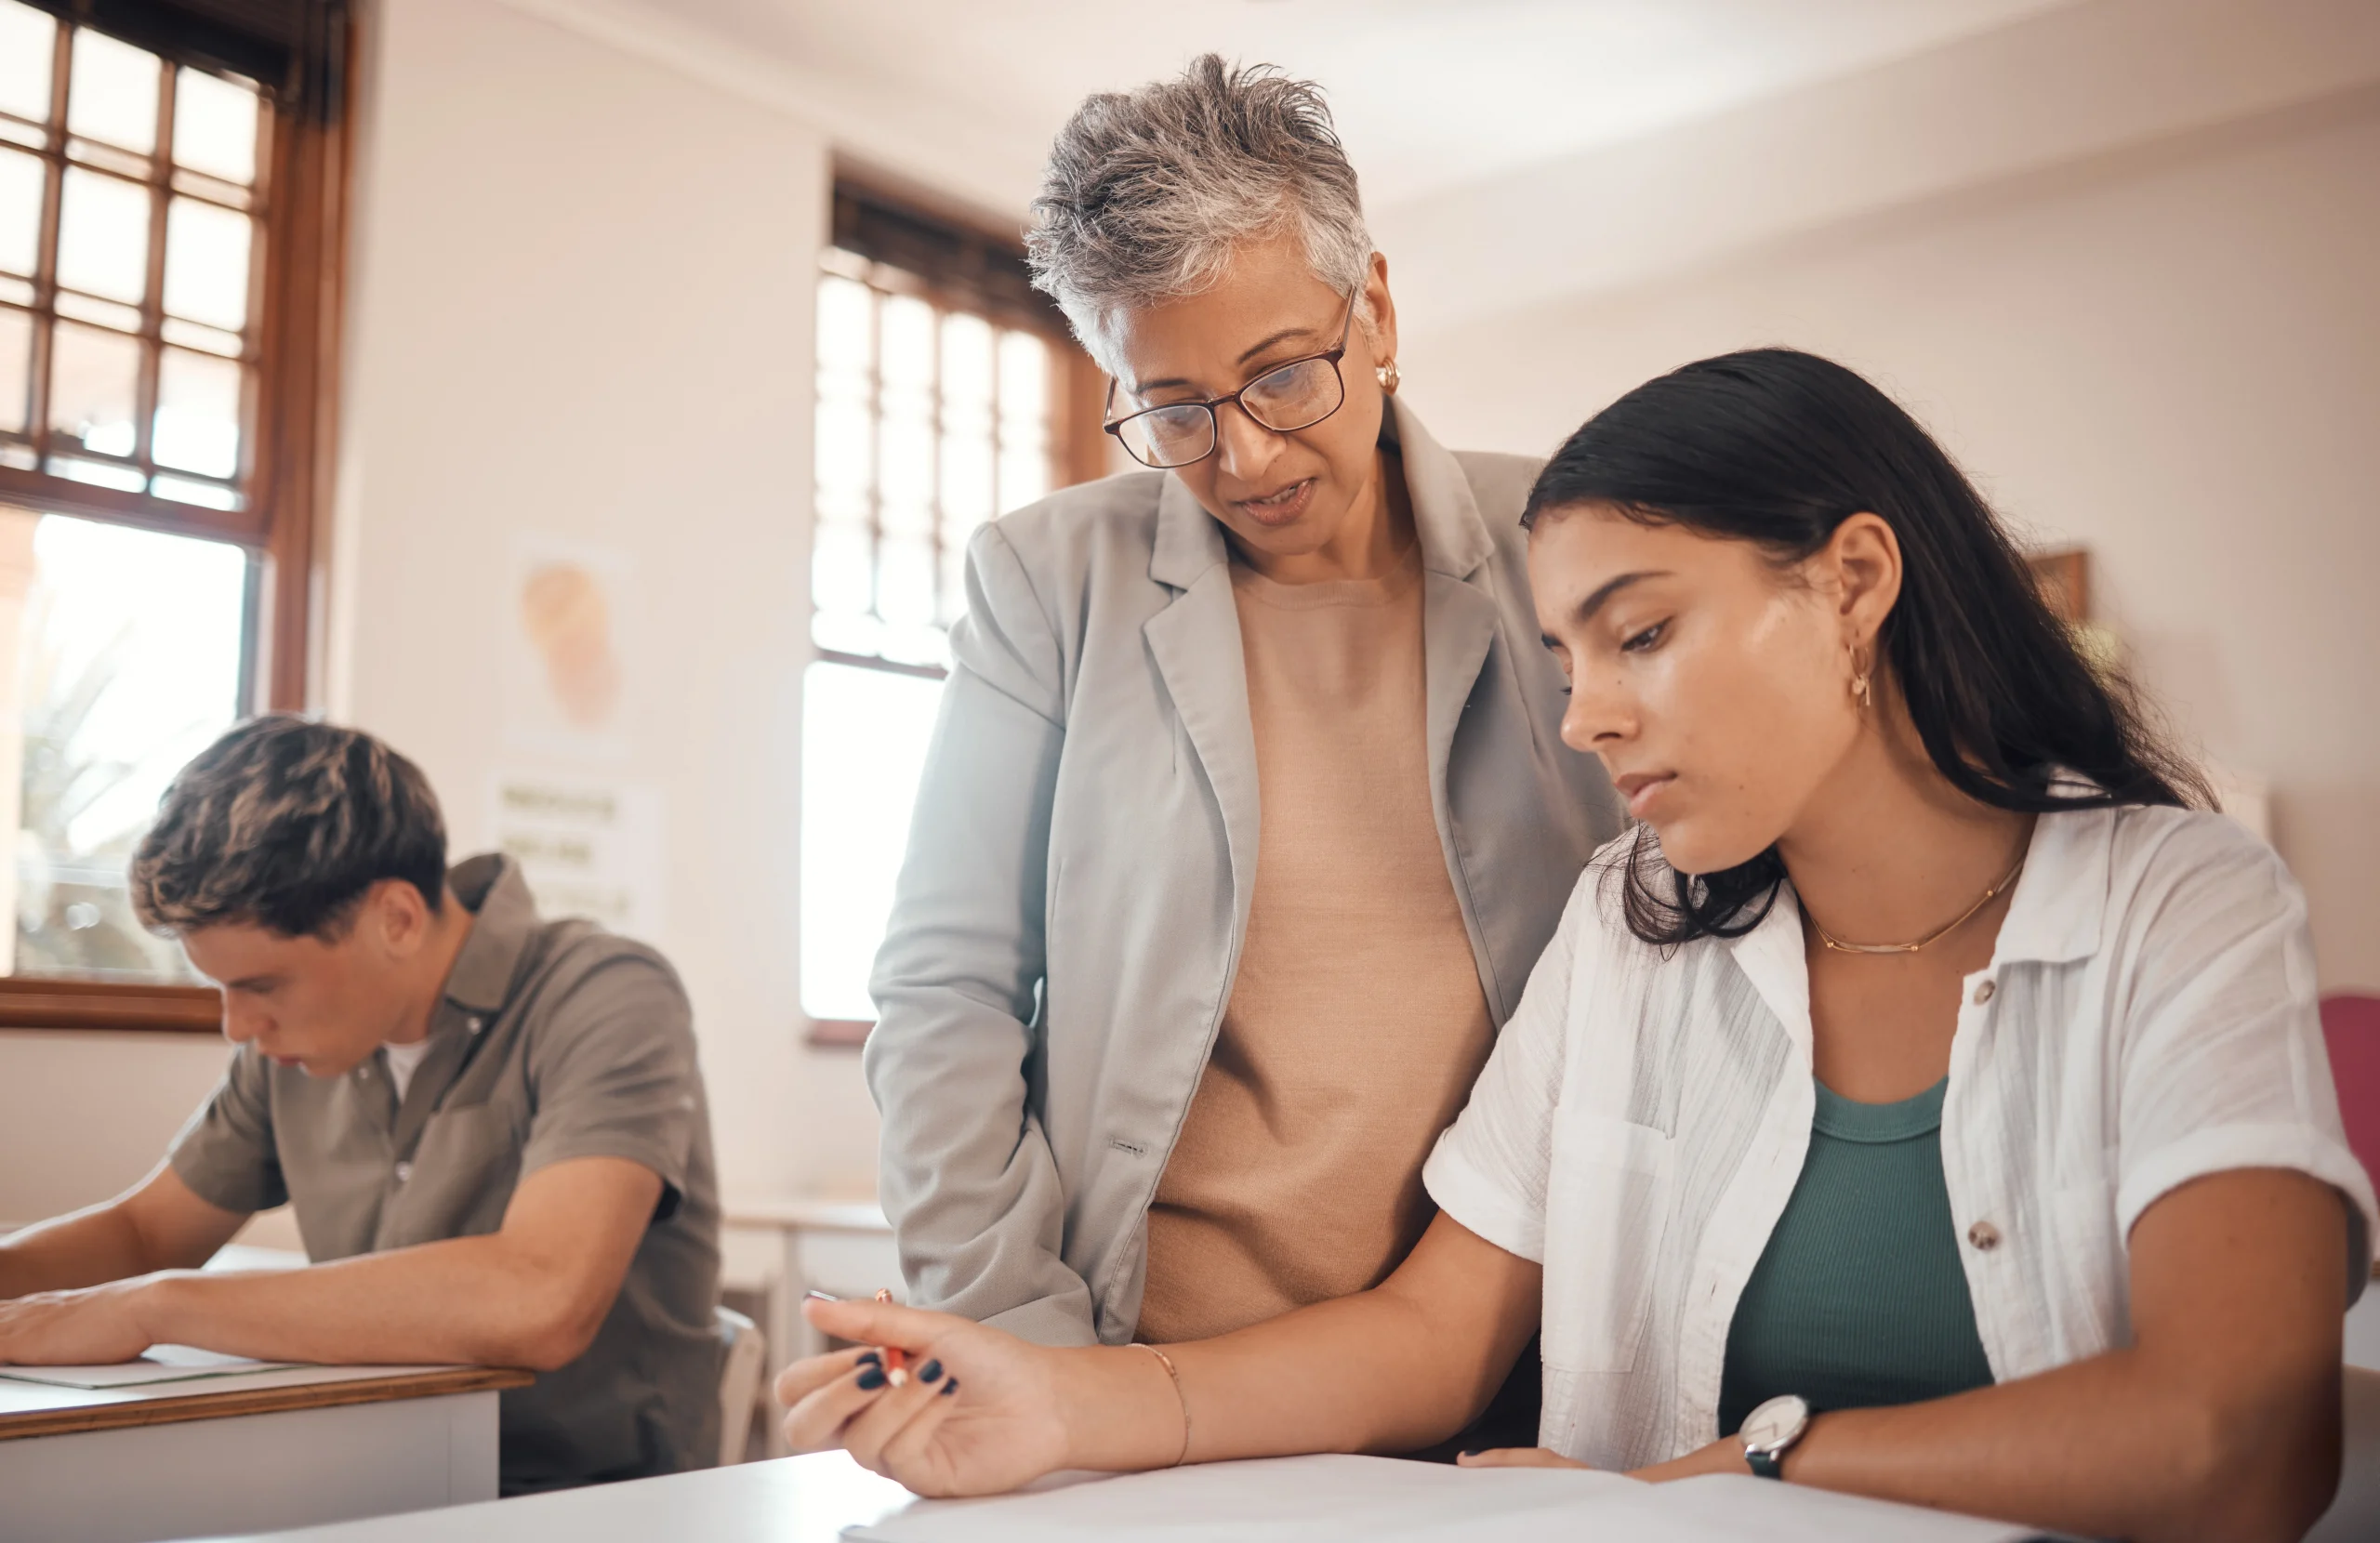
[[1147, 192], [284, 823]]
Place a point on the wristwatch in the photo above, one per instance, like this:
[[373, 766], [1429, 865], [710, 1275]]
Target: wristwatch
[[1770, 1432]]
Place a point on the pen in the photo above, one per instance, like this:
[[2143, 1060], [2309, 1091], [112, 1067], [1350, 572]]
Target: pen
[[896, 1362]]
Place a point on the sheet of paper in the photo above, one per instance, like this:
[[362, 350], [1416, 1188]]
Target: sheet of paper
[[1326, 1500], [163, 1363]]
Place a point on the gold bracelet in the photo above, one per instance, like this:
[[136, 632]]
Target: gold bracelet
[[1179, 1397]]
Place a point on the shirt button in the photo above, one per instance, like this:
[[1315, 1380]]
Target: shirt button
[[1982, 993], [404, 1172], [473, 1022], [1984, 1235], [363, 1073]]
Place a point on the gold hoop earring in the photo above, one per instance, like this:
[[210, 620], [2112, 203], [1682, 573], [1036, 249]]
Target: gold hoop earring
[[1859, 688], [1388, 376]]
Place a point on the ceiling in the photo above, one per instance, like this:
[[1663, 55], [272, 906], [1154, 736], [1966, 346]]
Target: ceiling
[[1429, 94]]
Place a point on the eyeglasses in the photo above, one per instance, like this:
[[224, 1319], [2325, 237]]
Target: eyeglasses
[[1284, 398]]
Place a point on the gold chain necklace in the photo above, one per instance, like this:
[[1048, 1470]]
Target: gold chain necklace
[[1964, 917]]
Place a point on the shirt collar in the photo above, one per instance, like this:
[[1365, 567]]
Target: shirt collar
[[1454, 538], [2055, 915], [2060, 906], [505, 917]]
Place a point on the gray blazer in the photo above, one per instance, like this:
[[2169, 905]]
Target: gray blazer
[[1069, 916]]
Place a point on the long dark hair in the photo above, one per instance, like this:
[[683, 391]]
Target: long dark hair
[[1779, 447]]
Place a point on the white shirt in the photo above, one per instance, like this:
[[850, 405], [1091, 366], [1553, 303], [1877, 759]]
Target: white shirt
[[403, 1061], [2148, 1018]]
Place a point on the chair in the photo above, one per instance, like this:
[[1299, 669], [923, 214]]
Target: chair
[[743, 1355], [2351, 1027], [2354, 1517]]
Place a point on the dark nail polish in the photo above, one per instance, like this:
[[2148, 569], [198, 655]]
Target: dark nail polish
[[1472, 1451], [871, 1379], [930, 1372], [869, 1358], [950, 1387]]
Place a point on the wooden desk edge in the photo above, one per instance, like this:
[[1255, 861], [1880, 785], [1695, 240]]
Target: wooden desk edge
[[261, 1401]]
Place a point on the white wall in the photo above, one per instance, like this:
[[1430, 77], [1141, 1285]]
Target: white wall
[[582, 308], [2171, 355]]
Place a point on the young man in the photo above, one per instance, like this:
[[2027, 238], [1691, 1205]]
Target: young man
[[492, 1126]]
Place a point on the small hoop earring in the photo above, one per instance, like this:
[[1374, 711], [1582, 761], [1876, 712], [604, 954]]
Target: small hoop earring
[[1859, 688], [1388, 376]]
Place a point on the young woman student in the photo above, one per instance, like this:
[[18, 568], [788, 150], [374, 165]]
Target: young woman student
[[1925, 1100]]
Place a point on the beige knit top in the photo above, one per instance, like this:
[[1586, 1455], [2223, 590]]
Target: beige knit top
[[1356, 1023]]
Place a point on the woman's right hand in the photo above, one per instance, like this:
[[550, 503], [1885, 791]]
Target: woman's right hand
[[980, 1412]]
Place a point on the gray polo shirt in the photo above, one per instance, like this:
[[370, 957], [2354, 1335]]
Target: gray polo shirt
[[554, 1040]]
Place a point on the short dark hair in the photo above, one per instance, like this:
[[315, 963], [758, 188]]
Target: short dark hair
[[1778, 447], [284, 823]]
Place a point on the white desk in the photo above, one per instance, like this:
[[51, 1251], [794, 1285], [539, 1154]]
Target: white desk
[[811, 1499], [786, 1500], [231, 1454]]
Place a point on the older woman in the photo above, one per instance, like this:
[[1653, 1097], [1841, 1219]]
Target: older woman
[[1245, 817], [1923, 1103]]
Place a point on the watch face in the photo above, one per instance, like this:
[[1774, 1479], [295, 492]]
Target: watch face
[[1776, 1423]]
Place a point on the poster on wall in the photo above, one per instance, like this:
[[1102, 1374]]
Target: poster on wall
[[569, 647], [587, 847]]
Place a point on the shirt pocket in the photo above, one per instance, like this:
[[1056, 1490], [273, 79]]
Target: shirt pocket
[[1607, 1205], [462, 1175]]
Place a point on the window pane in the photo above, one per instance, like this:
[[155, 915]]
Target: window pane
[[864, 736], [183, 490], [20, 183], [190, 334], [215, 127], [113, 93], [966, 362], [15, 370], [845, 322], [207, 264], [105, 474], [94, 388], [905, 444], [28, 39], [966, 481], [967, 484], [846, 452], [103, 313], [198, 414], [908, 343], [954, 583], [129, 665], [103, 236], [904, 581], [842, 569], [905, 476], [1024, 419]]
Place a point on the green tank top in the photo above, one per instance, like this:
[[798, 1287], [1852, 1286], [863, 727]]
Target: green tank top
[[1860, 1299]]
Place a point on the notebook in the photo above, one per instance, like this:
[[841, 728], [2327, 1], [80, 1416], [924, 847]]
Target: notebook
[[162, 1364]]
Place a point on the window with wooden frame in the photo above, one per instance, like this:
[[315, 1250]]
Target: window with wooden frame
[[172, 203], [949, 390]]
